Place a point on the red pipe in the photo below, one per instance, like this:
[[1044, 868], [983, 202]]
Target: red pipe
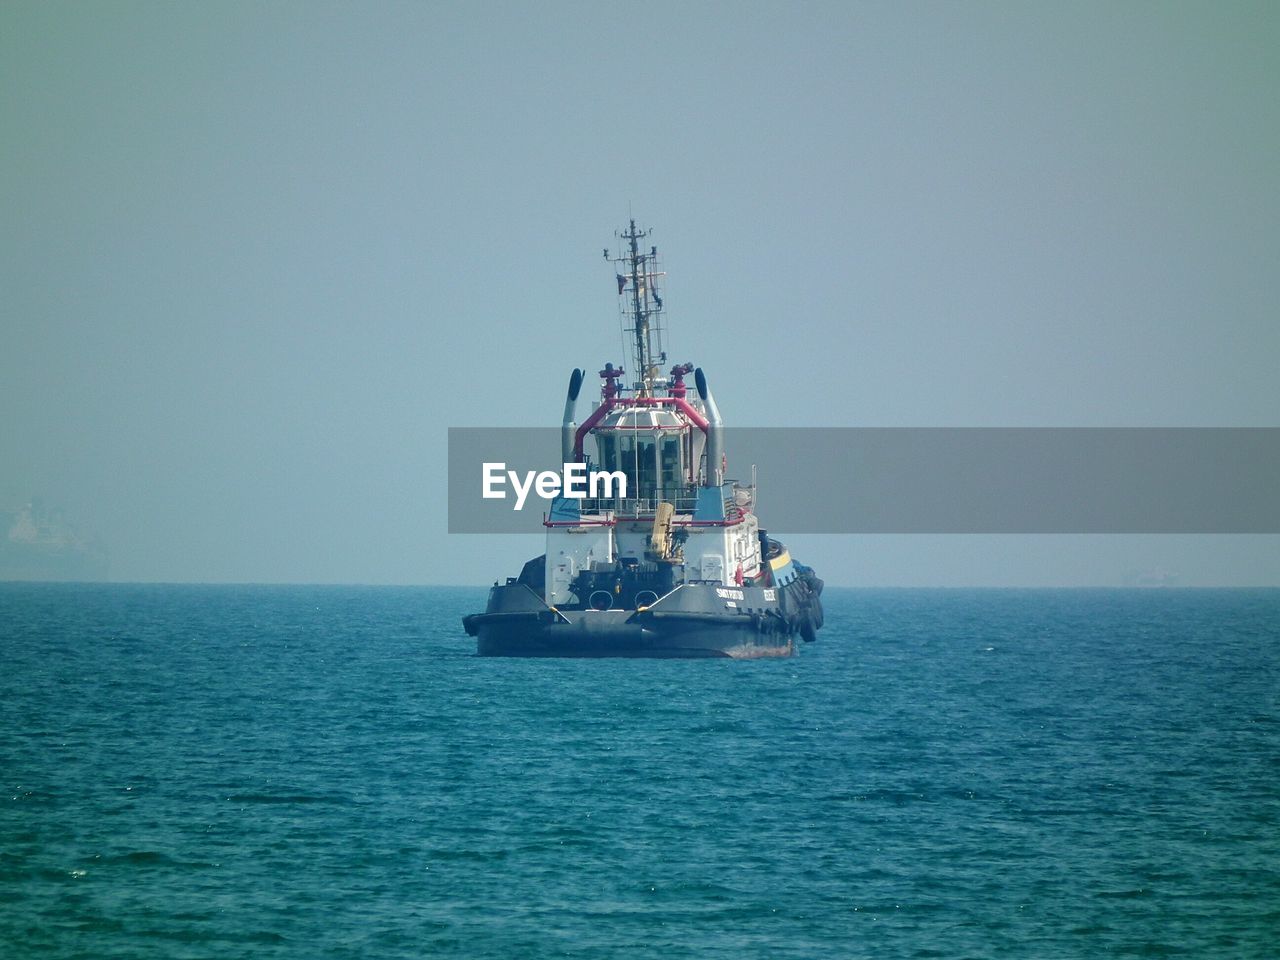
[[679, 403], [597, 415]]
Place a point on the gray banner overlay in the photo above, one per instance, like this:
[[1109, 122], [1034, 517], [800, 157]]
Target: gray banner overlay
[[942, 480]]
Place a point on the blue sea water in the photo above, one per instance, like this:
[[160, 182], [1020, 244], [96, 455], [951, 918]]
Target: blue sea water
[[329, 772]]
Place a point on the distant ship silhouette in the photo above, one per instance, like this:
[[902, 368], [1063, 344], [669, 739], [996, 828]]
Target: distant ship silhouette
[[39, 543]]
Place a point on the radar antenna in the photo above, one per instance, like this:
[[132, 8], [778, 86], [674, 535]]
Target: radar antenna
[[640, 307]]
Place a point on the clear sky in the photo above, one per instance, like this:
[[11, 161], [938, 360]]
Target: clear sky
[[256, 258]]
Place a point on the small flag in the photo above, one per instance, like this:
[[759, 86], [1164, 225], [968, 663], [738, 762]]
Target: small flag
[[622, 284]]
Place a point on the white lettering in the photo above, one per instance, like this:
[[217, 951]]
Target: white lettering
[[493, 475], [548, 485], [575, 480], [608, 480], [521, 491]]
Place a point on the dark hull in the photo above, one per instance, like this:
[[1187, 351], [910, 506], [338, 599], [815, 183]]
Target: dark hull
[[593, 633], [691, 622]]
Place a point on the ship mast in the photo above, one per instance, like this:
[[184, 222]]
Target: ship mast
[[640, 307]]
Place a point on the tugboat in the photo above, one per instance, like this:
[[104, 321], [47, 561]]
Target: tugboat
[[671, 563]]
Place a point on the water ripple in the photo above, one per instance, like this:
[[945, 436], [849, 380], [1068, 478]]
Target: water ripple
[[330, 772]]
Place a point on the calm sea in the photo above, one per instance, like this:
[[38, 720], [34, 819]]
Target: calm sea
[[324, 772]]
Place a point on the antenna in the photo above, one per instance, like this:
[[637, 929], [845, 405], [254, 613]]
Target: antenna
[[640, 306]]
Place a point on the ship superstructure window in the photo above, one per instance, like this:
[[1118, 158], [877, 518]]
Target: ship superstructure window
[[647, 468], [672, 474], [626, 462], [653, 462], [608, 451]]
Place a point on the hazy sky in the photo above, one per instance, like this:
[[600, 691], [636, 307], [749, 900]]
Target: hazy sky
[[256, 258]]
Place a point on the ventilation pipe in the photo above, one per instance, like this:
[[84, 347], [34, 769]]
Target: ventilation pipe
[[715, 432], [568, 426]]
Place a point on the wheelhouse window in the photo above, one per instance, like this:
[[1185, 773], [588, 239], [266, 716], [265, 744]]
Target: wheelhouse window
[[672, 472], [647, 468], [608, 447]]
